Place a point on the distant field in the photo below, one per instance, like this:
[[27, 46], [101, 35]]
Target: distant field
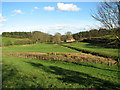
[[5, 39], [42, 47], [28, 73], [92, 48]]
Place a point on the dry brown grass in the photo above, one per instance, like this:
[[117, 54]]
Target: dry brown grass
[[69, 57]]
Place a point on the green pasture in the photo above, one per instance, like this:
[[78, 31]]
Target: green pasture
[[41, 47], [28, 73], [5, 39], [110, 52]]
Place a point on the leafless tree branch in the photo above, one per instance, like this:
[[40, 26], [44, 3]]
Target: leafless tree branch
[[108, 13]]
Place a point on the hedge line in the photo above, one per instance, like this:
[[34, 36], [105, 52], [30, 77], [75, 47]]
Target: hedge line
[[18, 42], [67, 57]]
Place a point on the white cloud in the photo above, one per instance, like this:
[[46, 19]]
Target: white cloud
[[67, 7], [60, 27], [51, 29], [88, 27], [18, 11], [1, 25], [92, 26], [64, 28], [2, 19], [36, 8], [13, 14], [49, 8]]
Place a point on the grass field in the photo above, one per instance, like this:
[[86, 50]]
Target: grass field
[[94, 48], [32, 73], [42, 47], [5, 39], [28, 73]]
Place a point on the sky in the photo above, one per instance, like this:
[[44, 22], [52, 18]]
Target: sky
[[48, 17]]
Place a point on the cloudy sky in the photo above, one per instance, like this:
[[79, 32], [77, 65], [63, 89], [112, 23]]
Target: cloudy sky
[[48, 17]]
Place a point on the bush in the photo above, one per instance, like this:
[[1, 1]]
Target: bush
[[8, 43], [0, 44], [18, 42], [22, 42]]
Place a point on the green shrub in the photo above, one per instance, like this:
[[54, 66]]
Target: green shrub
[[8, 43], [0, 44], [22, 42], [18, 42]]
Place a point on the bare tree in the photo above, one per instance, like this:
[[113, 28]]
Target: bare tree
[[57, 38], [108, 13], [69, 35]]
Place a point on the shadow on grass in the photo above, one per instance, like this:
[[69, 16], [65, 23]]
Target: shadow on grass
[[100, 45], [11, 78], [98, 68], [49, 43], [38, 64], [70, 76], [10, 74]]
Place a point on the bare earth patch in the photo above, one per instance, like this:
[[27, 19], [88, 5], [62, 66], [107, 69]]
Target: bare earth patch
[[3, 47], [25, 45], [21, 45]]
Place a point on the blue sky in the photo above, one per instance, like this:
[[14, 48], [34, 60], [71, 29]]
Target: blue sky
[[48, 17]]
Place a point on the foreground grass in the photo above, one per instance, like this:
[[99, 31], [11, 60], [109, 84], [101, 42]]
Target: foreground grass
[[42, 47], [94, 49], [28, 73]]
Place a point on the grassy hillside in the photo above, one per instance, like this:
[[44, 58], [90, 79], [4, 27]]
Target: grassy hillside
[[94, 49], [107, 37], [28, 73]]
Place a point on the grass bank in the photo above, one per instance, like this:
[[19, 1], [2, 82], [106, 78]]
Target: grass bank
[[109, 52]]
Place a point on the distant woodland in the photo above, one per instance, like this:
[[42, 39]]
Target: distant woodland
[[44, 37]]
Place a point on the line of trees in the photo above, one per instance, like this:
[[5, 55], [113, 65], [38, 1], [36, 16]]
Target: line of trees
[[18, 42], [40, 37], [37, 37], [17, 34], [94, 33]]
